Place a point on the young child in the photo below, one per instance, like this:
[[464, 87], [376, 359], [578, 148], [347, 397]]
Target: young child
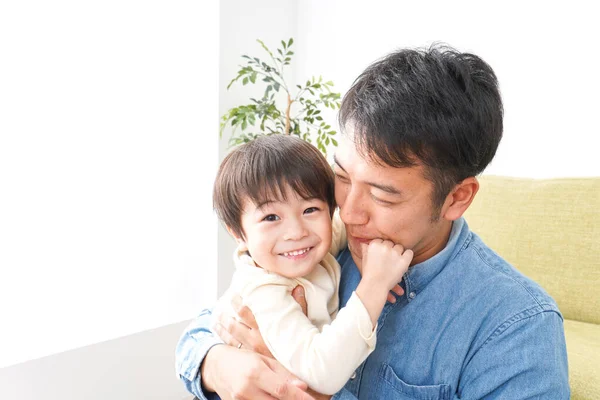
[[276, 197]]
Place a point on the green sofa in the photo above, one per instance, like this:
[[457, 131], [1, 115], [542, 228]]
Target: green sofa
[[550, 231]]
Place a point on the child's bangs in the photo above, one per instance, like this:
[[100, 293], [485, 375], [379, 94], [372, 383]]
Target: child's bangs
[[265, 190]]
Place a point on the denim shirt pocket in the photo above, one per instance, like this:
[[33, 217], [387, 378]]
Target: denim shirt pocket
[[390, 386]]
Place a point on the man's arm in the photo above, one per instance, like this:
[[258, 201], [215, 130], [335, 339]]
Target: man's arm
[[525, 358], [194, 344], [232, 373]]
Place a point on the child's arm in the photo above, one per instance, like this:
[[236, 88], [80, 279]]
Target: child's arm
[[324, 360], [383, 265]]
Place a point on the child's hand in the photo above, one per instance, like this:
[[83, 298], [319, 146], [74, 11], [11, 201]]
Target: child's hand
[[385, 263]]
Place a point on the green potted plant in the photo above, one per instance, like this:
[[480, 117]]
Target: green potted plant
[[301, 113]]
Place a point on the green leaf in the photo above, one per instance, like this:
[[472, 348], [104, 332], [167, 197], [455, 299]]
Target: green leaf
[[283, 44], [334, 142], [290, 42], [245, 81]]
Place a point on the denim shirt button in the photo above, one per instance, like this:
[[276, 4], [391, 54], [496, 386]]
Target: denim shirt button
[[412, 295], [353, 376]]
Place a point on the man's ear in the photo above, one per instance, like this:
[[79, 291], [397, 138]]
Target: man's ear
[[460, 199], [234, 235]]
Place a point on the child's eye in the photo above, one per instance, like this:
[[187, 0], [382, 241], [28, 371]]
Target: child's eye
[[311, 210], [271, 218]]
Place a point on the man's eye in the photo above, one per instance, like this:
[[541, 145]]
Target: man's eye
[[311, 210], [382, 202], [341, 178], [271, 218]]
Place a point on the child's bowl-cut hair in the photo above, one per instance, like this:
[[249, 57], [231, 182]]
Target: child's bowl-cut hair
[[261, 170]]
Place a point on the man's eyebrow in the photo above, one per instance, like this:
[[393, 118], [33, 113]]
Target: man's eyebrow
[[337, 162], [386, 188]]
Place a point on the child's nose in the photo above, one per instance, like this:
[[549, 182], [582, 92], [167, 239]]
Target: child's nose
[[295, 231]]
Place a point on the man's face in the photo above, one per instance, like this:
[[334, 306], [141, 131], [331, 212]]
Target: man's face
[[379, 201]]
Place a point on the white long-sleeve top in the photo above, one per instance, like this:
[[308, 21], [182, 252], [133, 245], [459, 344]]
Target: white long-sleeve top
[[323, 348]]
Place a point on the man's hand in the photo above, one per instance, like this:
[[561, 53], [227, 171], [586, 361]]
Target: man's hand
[[241, 331], [300, 297], [242, 374]]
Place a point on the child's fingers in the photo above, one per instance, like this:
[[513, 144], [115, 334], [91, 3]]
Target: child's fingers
[[408, 254]]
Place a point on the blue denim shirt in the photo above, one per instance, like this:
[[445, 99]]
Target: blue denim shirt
[[469, 326]]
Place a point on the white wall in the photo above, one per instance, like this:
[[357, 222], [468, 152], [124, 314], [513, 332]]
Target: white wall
[[108, 147], [544, 53]]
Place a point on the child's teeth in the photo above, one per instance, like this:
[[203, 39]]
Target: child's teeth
[[295, 253]]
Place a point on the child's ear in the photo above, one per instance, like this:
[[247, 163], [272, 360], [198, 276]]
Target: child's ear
[[234, 235]]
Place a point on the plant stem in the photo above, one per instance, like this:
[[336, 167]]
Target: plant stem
[[287, 115]]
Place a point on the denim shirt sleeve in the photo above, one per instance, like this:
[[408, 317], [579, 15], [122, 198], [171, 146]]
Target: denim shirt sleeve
[[193, 345], [524, 358]]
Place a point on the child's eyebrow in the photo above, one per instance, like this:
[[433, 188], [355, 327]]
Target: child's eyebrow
[[265, 204]]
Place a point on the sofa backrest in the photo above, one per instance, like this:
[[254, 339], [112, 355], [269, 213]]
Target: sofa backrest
[[550, 231]]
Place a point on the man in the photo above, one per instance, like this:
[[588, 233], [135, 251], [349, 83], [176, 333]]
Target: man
[[419, 126]]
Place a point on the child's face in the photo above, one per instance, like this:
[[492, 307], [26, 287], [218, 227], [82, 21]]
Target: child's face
[[288, 238]]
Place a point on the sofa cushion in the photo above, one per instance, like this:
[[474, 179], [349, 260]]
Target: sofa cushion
[[583, 346], [550, 231]]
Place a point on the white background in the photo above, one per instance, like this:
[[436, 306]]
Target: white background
[[108, 150]]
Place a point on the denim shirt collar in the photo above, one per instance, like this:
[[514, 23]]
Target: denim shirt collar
[[419, 275]]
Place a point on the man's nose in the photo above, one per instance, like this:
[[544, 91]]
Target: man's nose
[[295, 230], [354, 211]]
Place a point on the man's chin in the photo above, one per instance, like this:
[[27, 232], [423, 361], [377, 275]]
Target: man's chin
[[356, 255]]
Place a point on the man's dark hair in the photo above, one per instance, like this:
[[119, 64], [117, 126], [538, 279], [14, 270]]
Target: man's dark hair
[[432, 106], [261, 170]]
